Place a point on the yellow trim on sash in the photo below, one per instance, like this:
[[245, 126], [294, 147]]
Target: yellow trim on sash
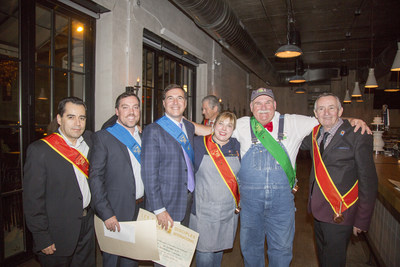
[[55, 149], [216, 166]]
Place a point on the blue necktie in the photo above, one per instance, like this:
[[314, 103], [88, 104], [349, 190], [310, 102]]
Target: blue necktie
[[190, 184]]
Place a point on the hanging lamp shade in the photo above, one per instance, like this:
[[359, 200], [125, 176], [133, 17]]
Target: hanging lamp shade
[[300, 91], [359, 99], [356, 90], [288, 51], [396, 62], [42, 94], [347, 98], [371, 81], [297, 79]]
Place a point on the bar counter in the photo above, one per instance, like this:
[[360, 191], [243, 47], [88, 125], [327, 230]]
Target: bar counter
[[384, 233]]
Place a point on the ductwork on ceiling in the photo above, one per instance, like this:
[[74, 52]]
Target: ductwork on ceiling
[[217, 18]]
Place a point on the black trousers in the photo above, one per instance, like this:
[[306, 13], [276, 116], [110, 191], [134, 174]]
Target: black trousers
[[332, 241], [84, 254]]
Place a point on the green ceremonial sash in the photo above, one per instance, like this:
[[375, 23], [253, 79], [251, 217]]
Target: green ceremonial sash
[[275, 149]]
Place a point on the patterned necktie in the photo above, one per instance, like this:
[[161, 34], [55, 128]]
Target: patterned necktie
[[322, 145], [190, 184]]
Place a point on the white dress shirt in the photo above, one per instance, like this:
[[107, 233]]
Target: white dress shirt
[[82, 147]]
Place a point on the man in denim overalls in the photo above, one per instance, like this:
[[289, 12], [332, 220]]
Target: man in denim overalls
[[267, 201], [266, 195]]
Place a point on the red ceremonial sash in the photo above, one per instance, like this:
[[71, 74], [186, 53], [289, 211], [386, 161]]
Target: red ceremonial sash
[[338, 202], [223, 167], [206, 121], [56, 142]]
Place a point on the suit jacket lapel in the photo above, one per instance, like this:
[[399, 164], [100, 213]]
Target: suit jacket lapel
[[124, 150]]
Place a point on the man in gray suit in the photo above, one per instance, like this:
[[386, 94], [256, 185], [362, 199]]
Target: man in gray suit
[[115, 180], [167, 161], [343, 181]]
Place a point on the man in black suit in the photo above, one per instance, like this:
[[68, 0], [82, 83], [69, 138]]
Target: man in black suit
[[56, 192], [343, 181], [115, 180]]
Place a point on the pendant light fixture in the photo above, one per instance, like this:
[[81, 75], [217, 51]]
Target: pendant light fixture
[[297, 78], [289, 50], [356, 90], [371, 80], [393, 89], [396, 61], [347, 98]]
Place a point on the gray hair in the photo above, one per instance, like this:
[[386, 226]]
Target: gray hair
[[328, 94], [212, 102]]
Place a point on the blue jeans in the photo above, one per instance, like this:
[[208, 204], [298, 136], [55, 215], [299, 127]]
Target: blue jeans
[[267, 210], [208, 259]]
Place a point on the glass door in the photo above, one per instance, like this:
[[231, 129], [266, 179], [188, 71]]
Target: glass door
[[46, 53]]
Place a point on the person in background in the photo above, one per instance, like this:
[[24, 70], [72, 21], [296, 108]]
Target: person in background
[[215, 217], [211, 108], [343, 181], [56, 191]]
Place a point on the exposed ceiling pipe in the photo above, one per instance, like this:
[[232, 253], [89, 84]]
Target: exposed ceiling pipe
[[217, 18]]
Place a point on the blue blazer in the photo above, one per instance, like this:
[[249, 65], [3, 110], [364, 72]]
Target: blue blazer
[[164, 171], [111, 178]]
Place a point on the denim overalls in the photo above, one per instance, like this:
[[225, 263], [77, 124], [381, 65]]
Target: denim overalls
[[267, 209]]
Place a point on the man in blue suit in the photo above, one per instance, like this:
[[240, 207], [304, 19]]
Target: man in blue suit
[[167, 161], [115, 180]]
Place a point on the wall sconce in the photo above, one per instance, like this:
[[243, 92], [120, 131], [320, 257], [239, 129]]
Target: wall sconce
[[135, 88], [216, 62]]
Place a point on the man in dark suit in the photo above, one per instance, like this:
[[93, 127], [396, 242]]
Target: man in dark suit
[[343, 181], [115, 180], [167, 168], [56, 191]]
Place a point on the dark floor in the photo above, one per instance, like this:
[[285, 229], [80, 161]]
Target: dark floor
[[304, 249]]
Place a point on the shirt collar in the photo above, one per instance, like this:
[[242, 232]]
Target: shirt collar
[[136, 128], [176, 122], [78, 141], [335, 127]]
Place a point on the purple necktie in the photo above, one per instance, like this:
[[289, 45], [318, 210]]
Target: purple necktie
[[190, 185]]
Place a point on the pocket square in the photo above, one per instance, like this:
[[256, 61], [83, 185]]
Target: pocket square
[[343, 147]]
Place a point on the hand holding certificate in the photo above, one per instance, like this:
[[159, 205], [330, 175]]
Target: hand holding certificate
[[144, 239], [176, 245]]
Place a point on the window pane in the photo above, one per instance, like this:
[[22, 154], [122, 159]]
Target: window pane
[[166, 72], [148, 99], [160, 78], [43, 36], [13, 222], [77, 85], [61, 42], [9, 101], [10, 172], [77, 56], [179, 72], [149, 69], [9, 28], [160, 108], [60, 88], [42, 96], [172, 72]]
